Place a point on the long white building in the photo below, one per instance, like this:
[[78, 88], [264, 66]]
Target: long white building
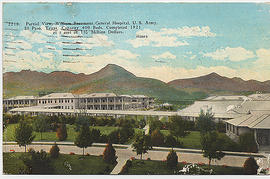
[[93, 101]]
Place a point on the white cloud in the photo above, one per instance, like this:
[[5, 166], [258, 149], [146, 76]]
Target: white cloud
[[156, 39], [27, 60], [124, 54], [234, 54], [33, 37], [186, 31], [23, 45], [165, 55], [263, 57]]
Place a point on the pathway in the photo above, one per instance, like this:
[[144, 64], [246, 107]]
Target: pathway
[[194, 156]]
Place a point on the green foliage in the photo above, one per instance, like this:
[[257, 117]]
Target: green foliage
[[95, 134], [212, 146], [205, 122], [250, 166], [170, 141], [142, 123], [154, 124], [157, 138], [142, 144], [247, 142], [54, 151], [61, 132], [38, 163], [23, 134], [172, 160], [41, 124], [177, 126], [84, 138], [109, 154]]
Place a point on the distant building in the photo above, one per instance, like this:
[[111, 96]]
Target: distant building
[[19, 102], [226, 107], [59, 101], [93, 101]]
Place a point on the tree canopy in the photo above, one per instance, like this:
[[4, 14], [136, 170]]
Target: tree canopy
[[212, 146], [142, 144], [84, 139], [23, 134]]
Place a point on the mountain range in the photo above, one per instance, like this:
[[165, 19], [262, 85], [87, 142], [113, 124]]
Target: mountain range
[[113, 78]]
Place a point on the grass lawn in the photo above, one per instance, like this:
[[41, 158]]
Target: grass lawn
[[160, 168], [51, 136], [191, 141], [90, 165]]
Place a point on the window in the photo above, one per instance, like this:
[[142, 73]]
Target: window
[[72, 100]]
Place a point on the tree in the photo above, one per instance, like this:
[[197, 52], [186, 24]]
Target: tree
[[212, 146], [177, 127], [205, 122], [142, 144], [95, 134], [157, 138], [172, 159], [250, 166], [84, 139], [23, 134], [54, 151], [109, 154], [41, 124], [170, 141], [247, 142], [61, 132]]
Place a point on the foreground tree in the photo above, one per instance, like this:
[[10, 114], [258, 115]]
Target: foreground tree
[[251, 166], [172, 160], [23, 134], [41, 125], [177, 127], [83, 139], [142, 144], [212, 146], [109, 154], [61, 132], [205, 122], [54, 151]]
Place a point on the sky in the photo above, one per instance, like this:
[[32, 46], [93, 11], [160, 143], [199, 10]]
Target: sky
[[169, 40]]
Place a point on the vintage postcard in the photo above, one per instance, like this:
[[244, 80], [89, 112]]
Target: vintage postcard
[[136, 88]]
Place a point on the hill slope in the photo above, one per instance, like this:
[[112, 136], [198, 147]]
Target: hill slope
[[214, 81], [111, 78]]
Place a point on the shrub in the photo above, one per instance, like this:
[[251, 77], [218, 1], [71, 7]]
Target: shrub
[[54, 151], [157, 138], [172, 160], [61, 132], [109, 154], [250, 166], [170, 141]]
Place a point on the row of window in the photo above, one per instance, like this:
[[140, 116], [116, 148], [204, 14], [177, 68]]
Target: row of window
[[55, 101], [97, 101], [66, 107]]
